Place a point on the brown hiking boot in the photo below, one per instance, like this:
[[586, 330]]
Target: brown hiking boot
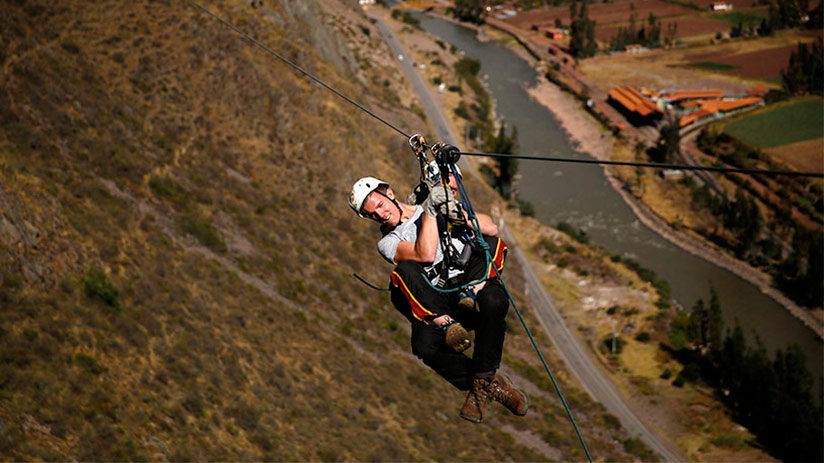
[[502, 391], [475, 405], [456, 336]]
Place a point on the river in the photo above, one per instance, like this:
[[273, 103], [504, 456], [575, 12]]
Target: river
[[580, 195]]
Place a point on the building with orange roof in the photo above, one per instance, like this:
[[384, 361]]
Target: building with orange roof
[[757, 90], [636, 106], [716, 108], [686, 95], [553, 33]]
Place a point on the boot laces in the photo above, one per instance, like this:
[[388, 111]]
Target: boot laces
[[500, 394], [480, 391]]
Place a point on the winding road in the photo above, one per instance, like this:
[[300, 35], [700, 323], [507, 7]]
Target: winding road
[[591, 378]]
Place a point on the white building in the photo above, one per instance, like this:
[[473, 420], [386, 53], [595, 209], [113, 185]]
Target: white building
[[721, 6]]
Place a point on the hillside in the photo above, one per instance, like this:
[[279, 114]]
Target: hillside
[[176, 251]]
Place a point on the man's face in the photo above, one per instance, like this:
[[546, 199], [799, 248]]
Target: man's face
[[381, 208]]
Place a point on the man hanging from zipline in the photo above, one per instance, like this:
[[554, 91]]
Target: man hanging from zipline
[[414, 239]]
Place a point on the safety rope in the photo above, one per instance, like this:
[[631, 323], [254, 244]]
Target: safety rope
[[546, 367], [485, 247], [418, 147]]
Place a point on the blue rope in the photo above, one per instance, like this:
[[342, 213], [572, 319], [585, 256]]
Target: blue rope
[[546, 367], [476, 225]]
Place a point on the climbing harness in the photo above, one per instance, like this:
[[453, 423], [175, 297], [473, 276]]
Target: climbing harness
[[448, 158], [435, 174]]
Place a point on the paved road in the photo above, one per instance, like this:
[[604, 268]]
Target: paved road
[[571, 349], [432, 110]]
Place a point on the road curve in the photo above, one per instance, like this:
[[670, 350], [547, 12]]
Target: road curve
[[591, 378]]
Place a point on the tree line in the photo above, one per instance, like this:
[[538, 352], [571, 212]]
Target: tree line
[[783, 14], [473, 11], [774, 398], [805, 69], [798, 273], [650, 34], [582, 42]]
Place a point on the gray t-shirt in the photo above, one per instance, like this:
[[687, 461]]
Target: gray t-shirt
[[408, 231]]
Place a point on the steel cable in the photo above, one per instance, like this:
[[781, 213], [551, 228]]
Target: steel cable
[[652, 165], [295, 66]]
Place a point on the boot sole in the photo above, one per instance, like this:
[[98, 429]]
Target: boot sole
[[526, 405], [472, 418]]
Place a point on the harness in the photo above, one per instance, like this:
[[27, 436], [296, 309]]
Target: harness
[[449, 227]]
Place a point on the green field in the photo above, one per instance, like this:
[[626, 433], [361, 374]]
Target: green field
[[713, 66], [781, 126], [746, 17]]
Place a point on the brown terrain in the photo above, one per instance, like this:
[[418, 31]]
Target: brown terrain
[[687, 26], [761, 64], [602, 13], [176, 255], [610, 16], [176, 252]]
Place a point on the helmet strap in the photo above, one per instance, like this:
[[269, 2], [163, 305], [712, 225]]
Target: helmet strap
[[395, 202]]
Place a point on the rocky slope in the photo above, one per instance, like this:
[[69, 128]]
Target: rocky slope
[[176, 251]]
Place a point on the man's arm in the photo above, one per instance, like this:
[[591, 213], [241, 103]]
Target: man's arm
[[425, 246], [488, 227]]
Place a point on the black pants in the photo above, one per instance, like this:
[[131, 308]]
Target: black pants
[[416, 300]]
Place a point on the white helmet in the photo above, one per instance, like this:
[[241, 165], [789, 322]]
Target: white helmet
[[360, 190], [433, 173]]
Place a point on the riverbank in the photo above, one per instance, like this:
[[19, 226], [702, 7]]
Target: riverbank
[[592, 139], [583, 295]]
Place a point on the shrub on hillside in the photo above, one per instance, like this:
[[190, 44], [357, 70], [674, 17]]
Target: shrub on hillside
[[613, 344], [98, 286], [577, 234], [204, 231]]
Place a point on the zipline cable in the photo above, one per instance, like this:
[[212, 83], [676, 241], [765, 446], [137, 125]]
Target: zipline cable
[[740, 170], [538, 158], [295, 66]]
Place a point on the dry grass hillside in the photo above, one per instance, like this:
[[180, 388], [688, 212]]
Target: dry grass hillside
[[176, 250]]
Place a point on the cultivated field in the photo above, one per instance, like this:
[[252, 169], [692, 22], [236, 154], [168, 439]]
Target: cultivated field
[[671, 68], [693, 19], [687, 26], [791, 134], [804, 156], [791, 123], [763, 64], [603, 13]]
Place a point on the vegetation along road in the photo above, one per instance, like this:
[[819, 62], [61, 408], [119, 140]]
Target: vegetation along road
[[592, 379]]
